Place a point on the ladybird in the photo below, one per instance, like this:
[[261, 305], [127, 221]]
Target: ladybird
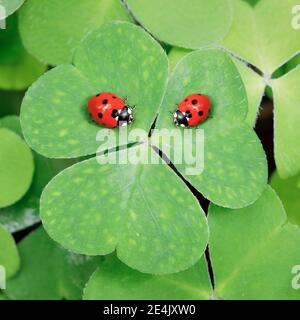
[[109, 110], [192, 110]]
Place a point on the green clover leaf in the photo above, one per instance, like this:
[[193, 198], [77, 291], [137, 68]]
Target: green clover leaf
[[235, 171], [289, 193], [53, 42], [54, 116], [142, 211], [115, 281], [254, 38], [254, 84], [16, 165], [9, 257], [257, 38], [189, 24], [49, 272], [18, 69], [267, 255], [11, 6]]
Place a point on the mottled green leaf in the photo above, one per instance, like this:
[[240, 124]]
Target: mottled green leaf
[[9, 257], [16, 167], [287, 130], [289, 193], [49, 272], [254, 250], [235, 171], [54, 113], [264, 35], [142, 210], [184, 23], [52, 29], [254, 84], [115, 281]]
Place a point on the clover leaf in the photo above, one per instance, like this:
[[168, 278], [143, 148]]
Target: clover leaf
[[254, 38], [16, 165], [115, 281], [53, 42], [188, 24], [267, 255], [18, 69], [143, 211], [9, 257], [235, 171], [47, 271], [54, 118], [287, 115], [254, 84], [24, 212], [11, 6], [289, 193]]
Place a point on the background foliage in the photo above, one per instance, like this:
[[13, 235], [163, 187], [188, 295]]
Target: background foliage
[[72, 229]]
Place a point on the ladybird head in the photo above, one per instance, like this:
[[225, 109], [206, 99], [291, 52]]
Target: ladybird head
[[124, 116], [181, 118]]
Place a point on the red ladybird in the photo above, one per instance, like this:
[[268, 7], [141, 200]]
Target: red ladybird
[[109, 110], [193, 110]]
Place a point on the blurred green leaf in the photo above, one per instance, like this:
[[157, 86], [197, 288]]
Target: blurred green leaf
[[163, 230], [18, 69], [254, 250], [264, 39], [49, 272], [287, 116], [184, 23], [25, 212], [11, 6], [255, 87], [9, 257], [10, 43], [16, 167], [115, 281], [52, 29], [289, 193]]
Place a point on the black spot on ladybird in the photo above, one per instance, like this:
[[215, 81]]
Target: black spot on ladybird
[[200, 113], [104, 101], [114, 113], [114, 97], [194, 102], [100, 115]]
